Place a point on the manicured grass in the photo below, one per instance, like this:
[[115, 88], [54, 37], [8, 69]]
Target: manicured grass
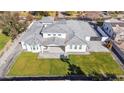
[[3, 40], [27, 64], [97, 62]]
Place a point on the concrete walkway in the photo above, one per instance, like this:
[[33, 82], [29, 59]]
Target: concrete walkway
[[50, 55]]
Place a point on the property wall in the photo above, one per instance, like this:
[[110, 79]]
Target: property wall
[[70, 48], [59, 35]]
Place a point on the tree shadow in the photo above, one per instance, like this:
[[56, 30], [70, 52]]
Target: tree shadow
[[111, 76], [75, 73], [100, 77], [75, 70]]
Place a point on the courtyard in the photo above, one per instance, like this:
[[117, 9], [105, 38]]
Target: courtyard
[[27, 64]]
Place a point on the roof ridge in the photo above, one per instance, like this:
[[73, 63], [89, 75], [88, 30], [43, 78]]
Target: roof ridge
[[80, 39]]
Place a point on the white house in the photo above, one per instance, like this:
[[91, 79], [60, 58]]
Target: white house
[[64, 36]]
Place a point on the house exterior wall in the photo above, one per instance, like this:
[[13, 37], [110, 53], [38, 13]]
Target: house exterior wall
[[28, 48], [69, 48], [59, 35], [23, 45], [31, 48]]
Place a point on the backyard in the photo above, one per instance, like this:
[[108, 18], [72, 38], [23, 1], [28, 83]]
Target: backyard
[[3, 40], [27, 64]]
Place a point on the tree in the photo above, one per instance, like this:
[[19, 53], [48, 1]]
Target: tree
[[70, 13], [100, 21], [11, 24], [40, 14]]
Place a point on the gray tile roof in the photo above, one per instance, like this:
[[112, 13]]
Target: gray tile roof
[[75, 30], [76, 41], [33, 41], [95, 46], [54, 28], [48, 19], [34, 29], [81, 29], [53, 40]]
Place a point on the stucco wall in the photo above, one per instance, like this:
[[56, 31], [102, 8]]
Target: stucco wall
[[31, 48]]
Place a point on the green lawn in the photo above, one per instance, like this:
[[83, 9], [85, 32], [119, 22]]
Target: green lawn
[[27, 64], [3, 40], [97, 62]]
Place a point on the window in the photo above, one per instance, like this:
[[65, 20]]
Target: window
[[59, 34], [37, 47], [49, 34], [70, 46], [80, 47], [75, 47], [54, 34], [33, 47]]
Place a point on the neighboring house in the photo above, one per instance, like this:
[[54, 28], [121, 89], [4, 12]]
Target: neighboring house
[[64, 36], [115, 30], [95, 15]]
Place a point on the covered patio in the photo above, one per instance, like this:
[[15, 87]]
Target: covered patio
[[54, 49], [52, 52]]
